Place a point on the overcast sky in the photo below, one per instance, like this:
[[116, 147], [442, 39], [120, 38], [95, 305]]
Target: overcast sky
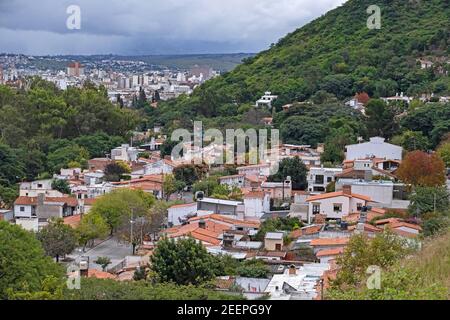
[[152, 26]]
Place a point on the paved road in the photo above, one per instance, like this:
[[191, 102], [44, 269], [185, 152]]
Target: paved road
[[110, 248]]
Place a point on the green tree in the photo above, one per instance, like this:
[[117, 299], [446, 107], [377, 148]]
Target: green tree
[[183, 262], [253, 269], [92, 226], [294, 168], [61, 186], [24, 267], [383, 251], [57, 239], [429, 199], [444, 153], [116, 171], [206, 185], [104, 262], [412, 140], [172, 185], [122, 205], [8, 196], [380, 119]]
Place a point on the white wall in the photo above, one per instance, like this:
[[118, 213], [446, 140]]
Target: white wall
[[180, 212], [20, 214], [349, 205], [376, 147]]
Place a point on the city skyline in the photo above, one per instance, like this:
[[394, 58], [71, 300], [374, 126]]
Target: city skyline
[[158, 27]]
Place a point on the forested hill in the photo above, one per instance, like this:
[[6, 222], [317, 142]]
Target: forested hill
[[339, 54]]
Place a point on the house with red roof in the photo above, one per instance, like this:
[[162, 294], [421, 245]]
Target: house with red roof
[[336, 205]]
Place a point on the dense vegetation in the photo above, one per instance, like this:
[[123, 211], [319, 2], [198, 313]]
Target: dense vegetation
[[43, 129], [334, 56]]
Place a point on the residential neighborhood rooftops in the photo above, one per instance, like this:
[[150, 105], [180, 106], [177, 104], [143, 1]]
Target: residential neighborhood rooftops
[[330, 252], [28, 201]]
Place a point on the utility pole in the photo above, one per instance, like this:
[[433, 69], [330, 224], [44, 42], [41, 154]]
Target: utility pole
[[131, 229]]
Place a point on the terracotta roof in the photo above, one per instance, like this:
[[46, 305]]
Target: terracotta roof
[[330, 252], [337, 194], [157, 178], [405, 234], [386, 221], [329, 241], [73, 221], [367, 227], [306, 231], [255, 195], [232, 176], [278, 254], [406, 225], [228, 220], [28, 201], [183, 205]]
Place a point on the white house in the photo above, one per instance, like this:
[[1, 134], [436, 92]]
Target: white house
[[33, 189], [181, 212], [320, 178], [375, 148], [266, 100], [124, 153], [379, 191], [256, 203], [259, 170], [336, 205], [162, 166]]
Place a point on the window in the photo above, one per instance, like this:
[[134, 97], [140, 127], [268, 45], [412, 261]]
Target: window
[[329, 179], [316, 208], [22, 209], [319, 179], [359, 206], [337, 207], [39, 185]]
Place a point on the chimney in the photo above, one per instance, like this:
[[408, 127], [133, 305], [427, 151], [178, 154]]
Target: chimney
[[347, 190], [40, 199], [202, 224], [292, 270]]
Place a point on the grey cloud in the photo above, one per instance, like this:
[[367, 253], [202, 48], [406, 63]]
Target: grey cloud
[[155, 26]]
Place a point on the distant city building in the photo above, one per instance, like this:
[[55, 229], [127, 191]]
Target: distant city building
[[203, 72], [75, 69]]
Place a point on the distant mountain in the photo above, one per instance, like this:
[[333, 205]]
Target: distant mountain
[[339, 54]]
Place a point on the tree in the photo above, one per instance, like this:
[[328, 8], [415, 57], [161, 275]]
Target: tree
[[302, 130], [11, 168], [60, 158], [7, 197], [444, 153], [429, 199], [24, 267], [92, 226], [383, 250], [61, 186], [380, 119], [278, 224], [253, 269], [172, 185], [294, 168], [116, 171], [190, 173], [207, 186], [422, 169], [104, 262], [122, 205], [183, 262], [412, 140], [100, 289], [57, 239]]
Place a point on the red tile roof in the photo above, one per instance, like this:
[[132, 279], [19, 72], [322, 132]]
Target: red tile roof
[[329, 242], [337, 194], [330, 252], [28, 201]]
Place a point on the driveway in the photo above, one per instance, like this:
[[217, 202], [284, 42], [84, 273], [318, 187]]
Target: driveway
[[110, 248]]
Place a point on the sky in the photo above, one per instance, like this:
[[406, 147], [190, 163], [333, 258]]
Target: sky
[[138, 27]]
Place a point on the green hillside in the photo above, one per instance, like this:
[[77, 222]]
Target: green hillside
[[337, 53]]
